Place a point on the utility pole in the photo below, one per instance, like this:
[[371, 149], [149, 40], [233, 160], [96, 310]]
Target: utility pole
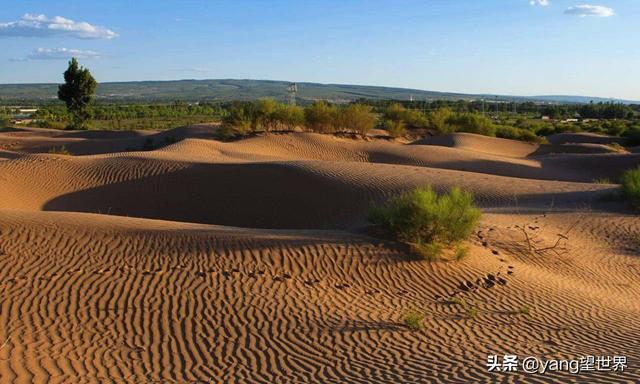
[[292, 90]]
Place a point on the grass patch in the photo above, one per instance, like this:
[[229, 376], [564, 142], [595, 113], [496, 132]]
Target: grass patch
[[472, 312], [631, 186], [428, 222], [461, 252], [601, 181], [413, 319], [525, 310], [457, 301], [60, 151]]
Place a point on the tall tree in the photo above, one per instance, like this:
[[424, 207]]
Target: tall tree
[[77, 92]]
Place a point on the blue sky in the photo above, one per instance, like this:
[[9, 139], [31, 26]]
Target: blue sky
[[519, 47]]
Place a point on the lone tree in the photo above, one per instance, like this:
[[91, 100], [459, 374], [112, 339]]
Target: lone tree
[[77, 92]]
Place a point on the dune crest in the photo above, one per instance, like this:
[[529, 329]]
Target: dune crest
[[204, 261]]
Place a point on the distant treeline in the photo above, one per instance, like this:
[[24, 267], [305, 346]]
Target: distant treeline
[[521, 121], [398, 118], [601, 110]]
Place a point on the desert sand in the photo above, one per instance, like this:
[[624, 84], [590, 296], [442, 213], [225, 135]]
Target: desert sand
[[207, 262]]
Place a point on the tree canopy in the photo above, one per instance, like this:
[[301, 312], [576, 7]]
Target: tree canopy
[[77, 92]]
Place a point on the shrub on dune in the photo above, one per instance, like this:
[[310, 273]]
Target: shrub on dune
[[631, 186], [357, 117], [427, 221], [472, 123], [439, 120], [396, 128], [238, 120], [507, 132], [321, 117], [289, 116]]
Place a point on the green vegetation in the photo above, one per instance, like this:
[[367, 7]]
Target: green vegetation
[[631, 186], [5, 121], [461, 252], [357, 118], [321, 117], [471, 312], [269, 115], [525, 310], [427, 221], [77, 93], [60, 151], [255, 107], [413, 319]]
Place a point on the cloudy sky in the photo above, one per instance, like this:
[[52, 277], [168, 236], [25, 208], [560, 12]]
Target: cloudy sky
[[520, 47]]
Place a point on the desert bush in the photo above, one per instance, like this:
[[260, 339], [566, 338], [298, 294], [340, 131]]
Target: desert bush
[[394, 112], [426, 220], [410, 118], [461, 253], [413, 319], [62, 150], [631, 186], [356, 117], [321, 117], [5, 121], [525, 310], [265, 117], [507, 132], [438, 120], [288, 116], [472, 123], [395, 128], [238, 120]]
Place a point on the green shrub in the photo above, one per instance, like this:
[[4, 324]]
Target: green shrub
[[59, 151], [239, 120], [438, 120], [461, 253], [356, 117], [525, 310], [395, 128], [321, 117], [265, 114], [413, 319], [394, 112], [288, 116], [5, 122], [472, 123], [631, 186], [507, 132], [427, 220], [408, 117]]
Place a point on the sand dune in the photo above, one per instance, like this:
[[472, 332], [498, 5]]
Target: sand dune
[[582, 138], [149, 266]]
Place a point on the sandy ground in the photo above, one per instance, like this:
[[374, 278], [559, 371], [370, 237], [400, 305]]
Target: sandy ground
[[208, 262]]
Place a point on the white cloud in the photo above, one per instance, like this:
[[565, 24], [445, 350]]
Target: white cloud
[[58, 54], [542, 3], [590, 10], [31, 25]]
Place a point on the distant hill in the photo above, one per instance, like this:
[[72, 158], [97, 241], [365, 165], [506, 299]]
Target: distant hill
[[581, 99], [228, 89]]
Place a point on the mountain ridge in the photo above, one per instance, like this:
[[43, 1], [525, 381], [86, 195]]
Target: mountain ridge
[[250, 89]]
